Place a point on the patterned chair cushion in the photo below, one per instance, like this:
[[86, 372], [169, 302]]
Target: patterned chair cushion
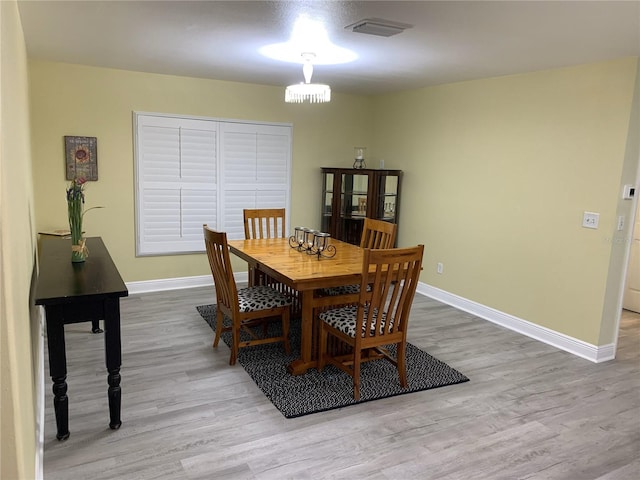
[[344, 320], [251, 299], [342, 290]]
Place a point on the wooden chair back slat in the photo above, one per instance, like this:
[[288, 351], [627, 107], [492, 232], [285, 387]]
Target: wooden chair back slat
[[264, 223], [378, 234]]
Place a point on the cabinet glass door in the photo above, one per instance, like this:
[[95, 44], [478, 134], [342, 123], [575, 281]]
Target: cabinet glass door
[[354, 195], [327, 207], [355, 188], [387, 198]]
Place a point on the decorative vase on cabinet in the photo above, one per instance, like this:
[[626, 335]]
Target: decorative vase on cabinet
[[349, 195]]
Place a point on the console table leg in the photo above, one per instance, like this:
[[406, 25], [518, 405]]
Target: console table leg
[[61, 407], [95, 326], [114, 399]]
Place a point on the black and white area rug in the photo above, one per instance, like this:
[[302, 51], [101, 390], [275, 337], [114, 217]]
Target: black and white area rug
[[315, 391]]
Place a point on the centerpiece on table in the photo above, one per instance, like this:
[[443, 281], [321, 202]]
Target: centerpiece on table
[[75, 207]]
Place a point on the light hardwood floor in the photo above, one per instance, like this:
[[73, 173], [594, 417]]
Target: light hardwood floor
[[530, 411]]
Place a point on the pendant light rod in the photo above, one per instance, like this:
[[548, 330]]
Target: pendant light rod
[[314, 92]]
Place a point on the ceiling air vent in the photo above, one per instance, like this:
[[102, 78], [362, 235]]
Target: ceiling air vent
[[378, 26]]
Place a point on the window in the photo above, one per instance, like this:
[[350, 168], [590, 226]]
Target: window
[[192, 171]]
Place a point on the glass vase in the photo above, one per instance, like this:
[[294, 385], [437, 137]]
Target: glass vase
[[78, 250]]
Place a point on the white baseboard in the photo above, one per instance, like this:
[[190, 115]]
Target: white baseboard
[[39, 394], [564, 342], [162, 284]]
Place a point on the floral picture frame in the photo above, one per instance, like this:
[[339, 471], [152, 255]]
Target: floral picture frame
[[81, 157]]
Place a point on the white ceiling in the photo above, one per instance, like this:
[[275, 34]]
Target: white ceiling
[[450, 40]]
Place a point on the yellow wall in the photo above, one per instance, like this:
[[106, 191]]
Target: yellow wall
[[620, 241], [98, 102], [19, 352], [498, 173]]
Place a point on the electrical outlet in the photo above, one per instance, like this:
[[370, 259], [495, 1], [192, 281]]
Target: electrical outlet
[[620, 222], [590, 220], [439, 268]]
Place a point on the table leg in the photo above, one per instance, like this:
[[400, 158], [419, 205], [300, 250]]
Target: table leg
[[61, 407], [114, 399], [95, 326], [58, 368], [310, 331], [112, 349], [306, 361]]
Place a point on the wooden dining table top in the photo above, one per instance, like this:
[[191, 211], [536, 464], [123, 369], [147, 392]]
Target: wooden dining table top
[[299, 269]]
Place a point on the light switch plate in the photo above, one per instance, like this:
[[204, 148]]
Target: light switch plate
[[590, 220], [628, 192]]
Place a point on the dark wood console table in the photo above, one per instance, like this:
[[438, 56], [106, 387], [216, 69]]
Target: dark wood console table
[[73, 293]]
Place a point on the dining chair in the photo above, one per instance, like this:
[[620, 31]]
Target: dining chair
[[375, 234], [267, 223], [381, 317], [264, 223], [246, 307]]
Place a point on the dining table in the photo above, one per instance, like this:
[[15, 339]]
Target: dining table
[[308, 275]]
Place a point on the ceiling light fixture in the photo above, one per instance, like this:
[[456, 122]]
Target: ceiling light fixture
[[314, 92], [308, 36]]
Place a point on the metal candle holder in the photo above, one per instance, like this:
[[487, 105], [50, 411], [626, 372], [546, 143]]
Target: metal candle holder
[[297, 241], [312, 242]]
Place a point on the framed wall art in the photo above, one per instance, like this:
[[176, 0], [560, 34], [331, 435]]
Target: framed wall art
[[81, 157]]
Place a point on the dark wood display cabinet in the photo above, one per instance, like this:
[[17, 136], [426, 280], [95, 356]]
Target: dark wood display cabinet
[[349, 195]]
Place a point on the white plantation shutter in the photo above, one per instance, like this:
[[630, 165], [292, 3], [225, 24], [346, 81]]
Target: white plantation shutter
[[255, 171], [192, 171]]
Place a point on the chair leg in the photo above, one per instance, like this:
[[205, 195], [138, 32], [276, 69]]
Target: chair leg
[[400, 361], [356, 373], [235, 344], [219, 322], [322, 347], [286, 316]]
